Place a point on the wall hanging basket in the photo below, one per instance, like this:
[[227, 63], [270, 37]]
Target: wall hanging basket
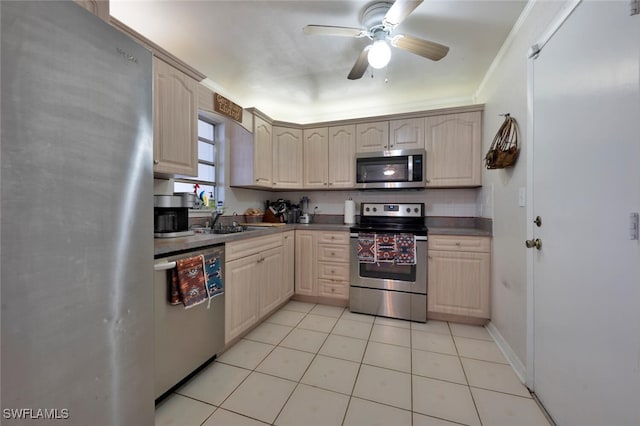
[[505, 149]]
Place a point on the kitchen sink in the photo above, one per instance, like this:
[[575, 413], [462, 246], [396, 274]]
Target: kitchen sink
[[226, 229]]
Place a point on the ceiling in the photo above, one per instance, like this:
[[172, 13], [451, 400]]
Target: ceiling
[[255, 53]]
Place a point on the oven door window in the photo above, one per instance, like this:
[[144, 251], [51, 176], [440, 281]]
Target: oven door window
[[386, 169], [388, 271]]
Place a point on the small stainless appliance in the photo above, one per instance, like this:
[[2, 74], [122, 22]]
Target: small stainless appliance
[[396, 169], [171, 216], [387, 288], [305, 216]]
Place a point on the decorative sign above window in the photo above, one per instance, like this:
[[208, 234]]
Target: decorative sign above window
[[225, 107]]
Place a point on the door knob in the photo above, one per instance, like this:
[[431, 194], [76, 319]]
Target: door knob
[[537, 243]]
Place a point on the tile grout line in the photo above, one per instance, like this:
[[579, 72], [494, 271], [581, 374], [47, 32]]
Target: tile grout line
[[315, 355], [475, 405], [353, 387], [254, 370]]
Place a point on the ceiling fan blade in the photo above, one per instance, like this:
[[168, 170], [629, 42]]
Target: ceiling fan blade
[[424, 48], [360, 67], [399, 11], [333, 31]]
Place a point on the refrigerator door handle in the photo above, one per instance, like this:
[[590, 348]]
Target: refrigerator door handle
[[164, 266]]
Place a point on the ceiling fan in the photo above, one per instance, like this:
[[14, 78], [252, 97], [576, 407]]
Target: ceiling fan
[[379, 20]]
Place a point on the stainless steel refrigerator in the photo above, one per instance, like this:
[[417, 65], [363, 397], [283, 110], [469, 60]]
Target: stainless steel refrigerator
[[76, 219]]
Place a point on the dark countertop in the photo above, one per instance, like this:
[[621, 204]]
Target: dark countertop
[[165, 246], [474, 232]]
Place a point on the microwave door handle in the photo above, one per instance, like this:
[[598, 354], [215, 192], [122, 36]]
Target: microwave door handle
[[410, 168]]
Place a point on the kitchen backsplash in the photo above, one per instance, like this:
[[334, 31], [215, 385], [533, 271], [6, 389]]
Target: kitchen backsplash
[[438, 202]]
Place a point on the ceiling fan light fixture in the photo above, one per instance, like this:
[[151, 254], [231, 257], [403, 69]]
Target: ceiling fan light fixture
[[379, 55]]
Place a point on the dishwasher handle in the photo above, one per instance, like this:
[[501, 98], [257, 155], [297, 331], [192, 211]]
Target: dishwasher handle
[[164, 266]]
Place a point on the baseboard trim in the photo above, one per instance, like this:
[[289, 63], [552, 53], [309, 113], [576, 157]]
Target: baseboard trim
[[517, 365]]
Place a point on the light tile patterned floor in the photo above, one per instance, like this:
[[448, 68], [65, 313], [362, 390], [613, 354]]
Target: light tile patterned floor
[[321, 365]]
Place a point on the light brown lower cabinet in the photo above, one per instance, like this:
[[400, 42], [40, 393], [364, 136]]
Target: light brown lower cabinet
[[258, 279], [322, 265], [459, 270]]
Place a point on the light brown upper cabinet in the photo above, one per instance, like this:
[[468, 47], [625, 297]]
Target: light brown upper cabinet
[[342, 152], [329, 156], [251, 154], [262, 153], [454, 143], [316, 157], [406, 134], [287, 158], [175, 121], [371, 137]]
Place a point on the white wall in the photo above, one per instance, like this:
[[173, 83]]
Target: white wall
[[504, 90]]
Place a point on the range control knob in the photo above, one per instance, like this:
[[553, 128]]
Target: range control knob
[[375, 209], [367, 209], [416, 210], [408, 209]]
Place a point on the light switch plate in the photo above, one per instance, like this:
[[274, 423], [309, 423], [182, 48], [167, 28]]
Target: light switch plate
[[522, 196], [634, 225]]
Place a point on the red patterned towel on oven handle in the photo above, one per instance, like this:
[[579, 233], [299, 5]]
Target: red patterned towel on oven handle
[[366, 248], [386, 248]]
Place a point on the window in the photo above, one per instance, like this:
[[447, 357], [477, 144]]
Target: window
[[206, 162]]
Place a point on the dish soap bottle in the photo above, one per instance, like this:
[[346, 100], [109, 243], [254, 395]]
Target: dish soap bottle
[[212, 202]]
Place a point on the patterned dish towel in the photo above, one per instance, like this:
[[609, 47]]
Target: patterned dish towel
[[213, 271], [386, 248], [188, 282], [406, 249], [366, 248]]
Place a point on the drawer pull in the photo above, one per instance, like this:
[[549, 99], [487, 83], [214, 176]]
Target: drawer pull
[[333, 254]]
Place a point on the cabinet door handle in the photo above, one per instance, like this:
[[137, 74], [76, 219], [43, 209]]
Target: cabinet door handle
[[330, 183], [156, 162], [333, 254]]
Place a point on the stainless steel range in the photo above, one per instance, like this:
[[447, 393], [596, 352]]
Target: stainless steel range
[[389, 261]]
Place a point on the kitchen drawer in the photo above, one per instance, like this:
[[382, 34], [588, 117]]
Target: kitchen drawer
[[333, 253], [338, 289], [334, 237], [459, 243], [333, 271], [244, 248]]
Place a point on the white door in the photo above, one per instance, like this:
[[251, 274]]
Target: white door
[[586, 182]]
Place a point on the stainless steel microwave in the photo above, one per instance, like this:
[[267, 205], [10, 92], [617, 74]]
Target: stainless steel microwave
[[391, 169]]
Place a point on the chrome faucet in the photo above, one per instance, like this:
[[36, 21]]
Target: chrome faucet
[[214, 218]]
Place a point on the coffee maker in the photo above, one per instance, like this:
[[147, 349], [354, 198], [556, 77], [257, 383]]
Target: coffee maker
[[305, 217]]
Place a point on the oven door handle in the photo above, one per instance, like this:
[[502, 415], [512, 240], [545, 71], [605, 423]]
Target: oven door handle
[[418, 237]]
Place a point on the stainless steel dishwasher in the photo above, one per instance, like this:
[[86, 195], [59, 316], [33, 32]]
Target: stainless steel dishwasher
[[185, 339]]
